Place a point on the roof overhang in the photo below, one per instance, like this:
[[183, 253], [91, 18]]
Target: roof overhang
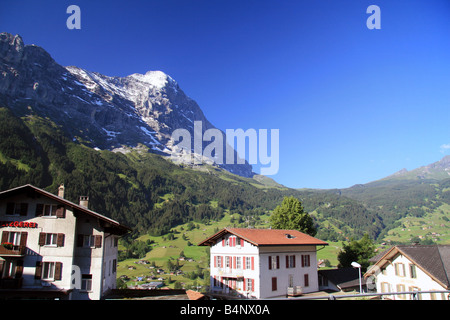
[[32, 191]]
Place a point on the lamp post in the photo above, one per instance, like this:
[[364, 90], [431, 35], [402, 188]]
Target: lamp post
[[357, 265]]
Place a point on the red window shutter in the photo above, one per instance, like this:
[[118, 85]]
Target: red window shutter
[[58, 270], [245, 282], [215, 261], [253, 263], [278, 262], [253, 284], [306, 280], [23, 239], [303, 260], [244, 260], [242, 242], [234, 262], [274, 284], [42, 236], [222, 262], [223, 242], [294, 262], [39, 209], [98, 241], [60, 240], [5, 236], [287, 261], [270, 262], [38, 270]]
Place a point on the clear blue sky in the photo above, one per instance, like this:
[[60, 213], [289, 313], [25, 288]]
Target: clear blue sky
[[352, 105]]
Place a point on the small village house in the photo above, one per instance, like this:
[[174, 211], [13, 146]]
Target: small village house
[[53, 248], [412, 268], [262, 263]]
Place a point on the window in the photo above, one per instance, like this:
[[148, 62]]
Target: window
[[86, 282], [412, 271], [227, 262], [16, 209], [306, 279], [401, 288], [50, 239], [400, 269], [49, 210], [14, 238], [238, 263], [274, 262], [290, 261], [418, 295], [114, 266], [385, 287], [291, 280], [89, 241], [274, 283], [248, 262], [249, 284], [306, 262], [48, 271]]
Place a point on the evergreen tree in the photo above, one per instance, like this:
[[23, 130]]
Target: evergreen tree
[[357, 251], [291, 215]]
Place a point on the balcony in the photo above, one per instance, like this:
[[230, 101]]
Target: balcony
[[230, 273], [12, 251], [294, 291]]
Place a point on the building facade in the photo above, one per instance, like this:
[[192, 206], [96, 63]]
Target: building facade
[[53, 248], [262, 263], [412, 268]]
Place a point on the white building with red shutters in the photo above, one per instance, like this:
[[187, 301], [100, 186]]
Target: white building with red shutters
[[53, 248], [263, 263]]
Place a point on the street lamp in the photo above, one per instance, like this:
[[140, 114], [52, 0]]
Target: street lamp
[[357, 265]]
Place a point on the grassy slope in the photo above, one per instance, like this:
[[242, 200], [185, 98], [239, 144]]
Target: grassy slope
[[163, 250]]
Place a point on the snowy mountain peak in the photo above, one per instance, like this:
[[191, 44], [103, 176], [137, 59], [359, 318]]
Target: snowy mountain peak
[[100, 111], [157, 79]]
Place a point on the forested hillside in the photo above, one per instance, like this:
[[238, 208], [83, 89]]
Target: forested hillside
[[149, 193]]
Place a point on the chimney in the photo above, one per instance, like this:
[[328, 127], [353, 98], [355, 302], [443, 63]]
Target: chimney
[[84, 201], [61, 191]]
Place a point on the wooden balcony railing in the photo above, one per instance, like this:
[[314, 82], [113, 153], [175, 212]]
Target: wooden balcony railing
[[14, 251]]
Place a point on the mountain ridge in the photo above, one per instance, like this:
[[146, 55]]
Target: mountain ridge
[[100, 111]]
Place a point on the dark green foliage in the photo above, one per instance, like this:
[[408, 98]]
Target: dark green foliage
[[357, 251], [291, 215], [151, 195]]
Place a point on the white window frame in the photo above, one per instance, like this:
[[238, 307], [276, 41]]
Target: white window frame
[[86, 283], [88, 241], [48, 271], [51, 239], [49, 210], [14, 238]]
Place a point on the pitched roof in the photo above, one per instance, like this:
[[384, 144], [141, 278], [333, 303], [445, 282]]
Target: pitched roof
[[342, 277], [120, 228], [266, 237], [434, 260]]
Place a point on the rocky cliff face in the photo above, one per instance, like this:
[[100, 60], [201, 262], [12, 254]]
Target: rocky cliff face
[[97, 110]]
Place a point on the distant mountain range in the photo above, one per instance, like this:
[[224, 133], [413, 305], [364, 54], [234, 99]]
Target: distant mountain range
[[438, 170], [110, 137]]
